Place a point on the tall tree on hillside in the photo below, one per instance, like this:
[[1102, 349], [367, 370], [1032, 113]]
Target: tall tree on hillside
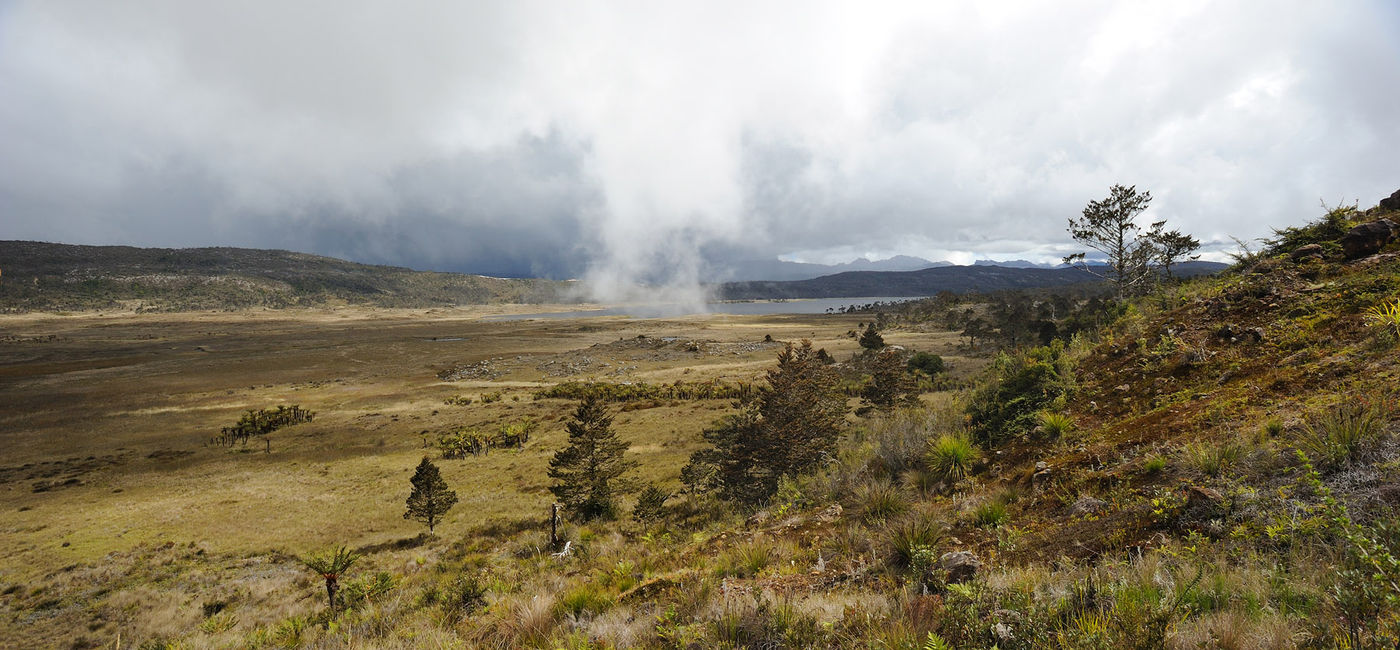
[[587, 474], [1172, 247], [1108, 227], [430, 498], [789, 429]]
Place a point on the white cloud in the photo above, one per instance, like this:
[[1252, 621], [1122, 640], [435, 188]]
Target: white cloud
[[653, 131]]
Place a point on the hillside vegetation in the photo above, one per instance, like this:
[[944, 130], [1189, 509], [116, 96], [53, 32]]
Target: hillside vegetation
[[1217, 467], [40, 276]]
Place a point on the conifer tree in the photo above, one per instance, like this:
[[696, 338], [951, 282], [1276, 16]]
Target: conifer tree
[[787, 430], [890, 383], [588, 473], [871, 339], [430, 498]]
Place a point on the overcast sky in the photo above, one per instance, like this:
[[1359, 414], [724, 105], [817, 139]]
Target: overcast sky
[[615, 140]]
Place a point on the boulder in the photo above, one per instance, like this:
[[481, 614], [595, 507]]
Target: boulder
[[1391, 203], [1306, 252], [1368, 238], [960, 565]]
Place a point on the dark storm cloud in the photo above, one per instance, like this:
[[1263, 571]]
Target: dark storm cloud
[[647, 140]]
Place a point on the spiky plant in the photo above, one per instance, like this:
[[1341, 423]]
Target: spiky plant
[[951, 457], [331, 565], [1385, 316], [1055, 424]]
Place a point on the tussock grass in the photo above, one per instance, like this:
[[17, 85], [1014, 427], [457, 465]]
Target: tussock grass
[[1345, 432], [880, 501], [951, 457]]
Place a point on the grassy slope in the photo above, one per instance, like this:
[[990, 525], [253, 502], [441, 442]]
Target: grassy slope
[[46, 277]]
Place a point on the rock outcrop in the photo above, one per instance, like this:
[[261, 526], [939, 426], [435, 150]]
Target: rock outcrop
[[1369, 238]]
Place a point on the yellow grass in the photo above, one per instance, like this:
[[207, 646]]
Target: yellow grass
[[143, 394]]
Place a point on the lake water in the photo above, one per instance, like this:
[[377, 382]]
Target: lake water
[[746, 308]]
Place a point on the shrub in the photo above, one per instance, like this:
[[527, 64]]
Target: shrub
[[870, 339], [466, 593], [1325, 231], [1055, 425], [1016, 390], [790, 429], [951, 457], [926, 362], [650, 503]]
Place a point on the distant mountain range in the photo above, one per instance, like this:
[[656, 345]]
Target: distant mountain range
[[927, 282], [37, 276], [781, 271]]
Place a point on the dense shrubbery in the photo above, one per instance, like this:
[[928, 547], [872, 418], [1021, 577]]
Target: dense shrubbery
[[262, 422], [1019, 387], [1325, 232], [641, 391], [460, 443]]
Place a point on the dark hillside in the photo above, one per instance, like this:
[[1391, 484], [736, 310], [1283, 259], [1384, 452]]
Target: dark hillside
[[43, 276], [926, 282]]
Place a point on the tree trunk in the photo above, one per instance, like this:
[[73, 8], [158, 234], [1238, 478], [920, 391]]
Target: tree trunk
[[331, 588]]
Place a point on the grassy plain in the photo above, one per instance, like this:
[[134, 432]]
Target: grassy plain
[[107, 418]]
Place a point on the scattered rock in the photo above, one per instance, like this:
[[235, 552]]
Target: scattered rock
[[1368, 238], [832, 513], [1302, 253], [1003, 633], [758, 519], [960, 565], [1041, 478], [1087, 505]]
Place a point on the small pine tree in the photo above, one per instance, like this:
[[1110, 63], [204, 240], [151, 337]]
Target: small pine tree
[[649, 505], [871, 339], [889, 382], [430, 498], [587, 474]]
